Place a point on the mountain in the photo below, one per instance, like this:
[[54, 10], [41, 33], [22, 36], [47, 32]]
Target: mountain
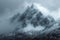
[[34, 17], [33, 24]]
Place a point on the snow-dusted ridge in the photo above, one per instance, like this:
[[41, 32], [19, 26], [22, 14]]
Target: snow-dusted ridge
[[34, 19]]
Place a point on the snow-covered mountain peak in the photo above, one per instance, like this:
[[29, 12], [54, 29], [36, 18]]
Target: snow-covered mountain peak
[[39, 7]]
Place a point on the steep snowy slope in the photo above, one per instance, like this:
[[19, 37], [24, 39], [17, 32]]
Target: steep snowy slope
[[32, 20]]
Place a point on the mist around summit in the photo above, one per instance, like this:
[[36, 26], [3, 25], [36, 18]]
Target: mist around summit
[[30, 19]]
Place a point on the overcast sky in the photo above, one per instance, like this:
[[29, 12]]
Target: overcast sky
[[8, 7], [14, 4], [51, 4]]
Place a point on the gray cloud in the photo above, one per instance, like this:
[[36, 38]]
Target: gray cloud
[[9, 4], [14, 4], [50, 4]]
